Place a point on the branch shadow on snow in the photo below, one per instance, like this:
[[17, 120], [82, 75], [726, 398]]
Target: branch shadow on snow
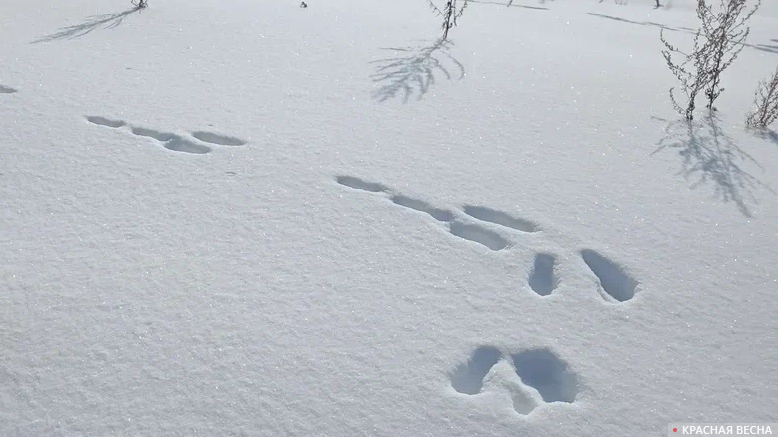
[[767, 48], [773, 136], [642, 23], [508, 4], [710, 156], [763, 47], [767, 134], [412, 71], [91, 23]]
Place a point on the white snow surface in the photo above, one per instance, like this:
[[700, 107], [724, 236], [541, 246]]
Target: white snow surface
[[247, 252]]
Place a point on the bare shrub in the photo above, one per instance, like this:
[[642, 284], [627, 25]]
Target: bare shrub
[[450, 13], [717, 43], [766, 104]]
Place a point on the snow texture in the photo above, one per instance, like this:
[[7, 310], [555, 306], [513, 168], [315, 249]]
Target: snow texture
[[249, 218]]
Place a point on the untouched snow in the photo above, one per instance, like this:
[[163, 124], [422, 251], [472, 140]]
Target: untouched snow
[[222, 218]]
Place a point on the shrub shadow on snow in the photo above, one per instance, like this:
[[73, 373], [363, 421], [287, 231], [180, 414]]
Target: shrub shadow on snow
[[509, 4], [640, 23], [762, 47], [412, 70], [94, 22], [765, 134], [772, 135], [767, 48], [710, 156]]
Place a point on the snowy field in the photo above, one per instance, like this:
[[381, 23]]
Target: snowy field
[[248, 218]]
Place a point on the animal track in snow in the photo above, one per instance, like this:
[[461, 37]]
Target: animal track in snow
[[220, 140], [169, 140], [549, 375], [542, 278], [614, 282], [151, 133], [470, 232], [468, 378], [359, 184], [179, 144], [531, 378], [102, 121], [172, 141], [500, 218], [6, 90], [440, 215], [480, 235]]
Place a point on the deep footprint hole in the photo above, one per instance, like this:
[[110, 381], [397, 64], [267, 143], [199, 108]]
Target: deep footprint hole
[[546, 373], [500, 218], [422, 206], [468, 378], [107, 122], [523, 403], [179, 144], [151, 133], [542, 278], [477, 234], [613, 279], [221, 140], [359, 184]]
